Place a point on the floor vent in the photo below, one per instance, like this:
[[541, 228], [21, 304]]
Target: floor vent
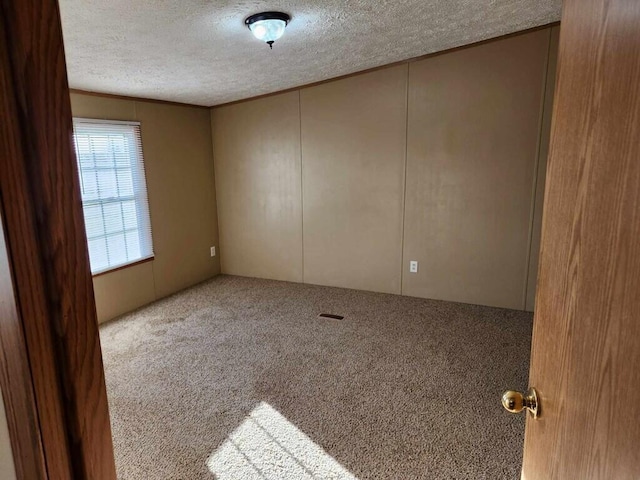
[[330, 315]]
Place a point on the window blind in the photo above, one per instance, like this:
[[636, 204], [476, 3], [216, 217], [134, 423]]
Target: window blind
[[114, 192]]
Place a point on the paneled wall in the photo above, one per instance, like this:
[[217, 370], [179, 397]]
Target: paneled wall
[[474, 118], [258, 156], [176, 144], [436, 160], [542, 169], [353, 155]]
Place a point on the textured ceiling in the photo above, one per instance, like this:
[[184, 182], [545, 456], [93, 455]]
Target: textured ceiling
[[200, 52]]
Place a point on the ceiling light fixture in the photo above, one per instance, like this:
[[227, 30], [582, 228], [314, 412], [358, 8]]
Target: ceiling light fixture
[[268, 26]]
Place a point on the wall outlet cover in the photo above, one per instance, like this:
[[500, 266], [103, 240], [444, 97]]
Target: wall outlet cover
[[213, 251], [413, 266]]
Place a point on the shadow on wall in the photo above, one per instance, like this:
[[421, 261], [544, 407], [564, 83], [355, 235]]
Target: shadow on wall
[[267, 445]]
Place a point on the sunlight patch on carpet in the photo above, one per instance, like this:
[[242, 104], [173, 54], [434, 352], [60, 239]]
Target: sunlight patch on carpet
[[267, 446]]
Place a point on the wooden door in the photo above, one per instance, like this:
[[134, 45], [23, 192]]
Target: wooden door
[[50, 362], [586, 342]]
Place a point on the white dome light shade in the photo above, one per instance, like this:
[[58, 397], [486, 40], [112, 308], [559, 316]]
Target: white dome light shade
[[268, 27], [268, 30]]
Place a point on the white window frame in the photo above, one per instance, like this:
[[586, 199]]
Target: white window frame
[[140, 196]]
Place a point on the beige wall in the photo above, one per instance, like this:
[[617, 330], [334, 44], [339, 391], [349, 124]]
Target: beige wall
[[474, 118], [257, 151], [176, 143], [7, 469], [435, 161], [542, 170], [353, 162]]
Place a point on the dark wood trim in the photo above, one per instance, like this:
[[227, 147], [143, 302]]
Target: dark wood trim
[[46, 243], [389, 65], [17, 216], [122, 267], [135, 99]]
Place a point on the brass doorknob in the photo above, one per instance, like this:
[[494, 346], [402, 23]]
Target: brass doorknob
[[515, 402]]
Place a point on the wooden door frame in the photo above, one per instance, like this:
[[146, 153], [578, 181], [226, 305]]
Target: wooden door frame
[[51, 370]]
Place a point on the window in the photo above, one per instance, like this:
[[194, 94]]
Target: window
[[114, 192]]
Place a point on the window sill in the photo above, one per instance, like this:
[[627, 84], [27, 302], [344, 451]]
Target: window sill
[[122, 267]]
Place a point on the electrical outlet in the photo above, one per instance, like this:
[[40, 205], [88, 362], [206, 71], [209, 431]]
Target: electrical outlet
[[213, 251], [413, 266]]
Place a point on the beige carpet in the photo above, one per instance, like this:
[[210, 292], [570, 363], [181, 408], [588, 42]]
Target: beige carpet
[[239, 379]]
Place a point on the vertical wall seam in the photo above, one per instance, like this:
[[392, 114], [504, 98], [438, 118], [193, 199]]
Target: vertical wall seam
[[214, 198], [301, 179], [536, 173], [404, 184]]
